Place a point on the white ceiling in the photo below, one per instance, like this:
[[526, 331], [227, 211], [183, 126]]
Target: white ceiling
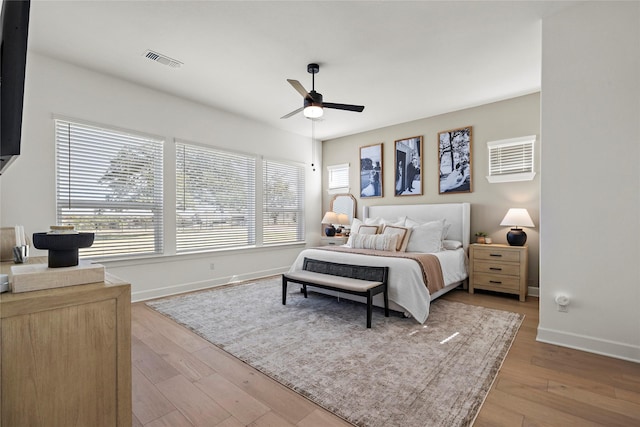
[[402, 60]]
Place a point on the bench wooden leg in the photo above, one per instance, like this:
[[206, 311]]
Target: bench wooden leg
[[284, 290]]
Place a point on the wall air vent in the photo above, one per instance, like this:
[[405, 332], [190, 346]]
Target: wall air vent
[[163, 59]]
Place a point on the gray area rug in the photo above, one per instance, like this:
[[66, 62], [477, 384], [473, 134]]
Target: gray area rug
[[398, 373]]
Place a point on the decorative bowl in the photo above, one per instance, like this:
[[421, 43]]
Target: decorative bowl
[[63, 248]]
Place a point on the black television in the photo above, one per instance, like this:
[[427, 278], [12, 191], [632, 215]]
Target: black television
[[13, 61]]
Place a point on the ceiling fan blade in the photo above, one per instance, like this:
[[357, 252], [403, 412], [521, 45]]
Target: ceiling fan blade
[[348, 107], [297, 86], [294, 112]]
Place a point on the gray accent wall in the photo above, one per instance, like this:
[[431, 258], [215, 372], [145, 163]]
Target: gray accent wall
[[489, 202]]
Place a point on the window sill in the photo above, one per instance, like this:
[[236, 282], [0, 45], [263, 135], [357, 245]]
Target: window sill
[[512, 177]]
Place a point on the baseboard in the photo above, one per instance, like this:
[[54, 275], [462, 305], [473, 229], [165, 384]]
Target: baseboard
[[533, 291], [203, 284], [590, 344]]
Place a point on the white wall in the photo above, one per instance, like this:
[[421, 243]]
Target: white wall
[[590, 196], [28, 185]]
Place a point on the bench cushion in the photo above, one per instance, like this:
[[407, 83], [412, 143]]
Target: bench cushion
[[345, 283]]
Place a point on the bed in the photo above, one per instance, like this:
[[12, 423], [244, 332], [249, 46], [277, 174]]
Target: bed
[[408, 292]]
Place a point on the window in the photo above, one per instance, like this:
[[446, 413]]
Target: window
[[282, 203], [215, 198], [511, 159], [110, 182], [338, 178]]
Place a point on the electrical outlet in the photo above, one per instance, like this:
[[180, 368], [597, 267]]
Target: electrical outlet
[[212, 266]]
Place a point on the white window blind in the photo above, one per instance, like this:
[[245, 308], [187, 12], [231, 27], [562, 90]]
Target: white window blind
[[338, 178], [283, 203], [110, 182], [511, 159], [215, 198]]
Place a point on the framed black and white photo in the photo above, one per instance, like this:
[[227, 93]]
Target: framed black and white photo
[[454, 162], [371, 171], [408, 166]]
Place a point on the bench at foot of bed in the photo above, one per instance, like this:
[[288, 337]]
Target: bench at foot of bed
[[352, 279]]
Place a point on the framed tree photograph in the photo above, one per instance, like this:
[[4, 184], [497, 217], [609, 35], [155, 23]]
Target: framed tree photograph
[[454, 162], [408, 165], [371, 171]]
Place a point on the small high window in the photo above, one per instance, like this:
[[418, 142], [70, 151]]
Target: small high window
[[338, 178], [511, 160]]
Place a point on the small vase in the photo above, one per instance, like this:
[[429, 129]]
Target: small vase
[[480, 239]]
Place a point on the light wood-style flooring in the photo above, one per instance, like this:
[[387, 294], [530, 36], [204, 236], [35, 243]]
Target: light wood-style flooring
[[180, 379]]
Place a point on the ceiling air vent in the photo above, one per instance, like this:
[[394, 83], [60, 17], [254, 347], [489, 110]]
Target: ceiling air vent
[[163, 59]]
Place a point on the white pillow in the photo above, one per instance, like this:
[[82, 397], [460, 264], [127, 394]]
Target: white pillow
[[355, 225], [380, 242], [426, 238], [415, 223], [381, 222], [403, 234], [368, 229], [358, 226], [451, 244]]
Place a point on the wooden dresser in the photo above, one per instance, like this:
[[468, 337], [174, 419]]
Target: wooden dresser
[[499, 268], [66, 355]]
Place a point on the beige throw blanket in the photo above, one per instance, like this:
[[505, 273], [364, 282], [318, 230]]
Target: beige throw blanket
[[429, 263]]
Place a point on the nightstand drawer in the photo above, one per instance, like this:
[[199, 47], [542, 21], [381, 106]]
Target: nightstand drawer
[[497, 254], [496, 268], [494, 280], [333, 240]]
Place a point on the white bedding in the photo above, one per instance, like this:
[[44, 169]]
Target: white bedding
[[406, 287]]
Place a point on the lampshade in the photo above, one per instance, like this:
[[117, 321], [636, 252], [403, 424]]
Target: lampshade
[[517, 217], [330, 218], [343, 219]]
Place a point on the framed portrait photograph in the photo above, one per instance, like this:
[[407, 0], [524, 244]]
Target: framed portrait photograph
[[371, 171], [454, 163], [408, 165]]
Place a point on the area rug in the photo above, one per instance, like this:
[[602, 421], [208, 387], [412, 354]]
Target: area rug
[[398, 373]]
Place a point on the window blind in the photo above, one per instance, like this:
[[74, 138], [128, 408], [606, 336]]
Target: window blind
[[283, 203], [511, 159], [110, 182], [339, 177], [215, 198]]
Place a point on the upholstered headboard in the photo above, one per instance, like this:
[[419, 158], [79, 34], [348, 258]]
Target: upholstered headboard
[[457, 214]]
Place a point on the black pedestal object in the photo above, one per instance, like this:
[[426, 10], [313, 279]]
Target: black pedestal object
[[63, 248], [517, 237]]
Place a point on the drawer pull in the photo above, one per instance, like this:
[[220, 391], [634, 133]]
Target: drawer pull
[[495, 281], [496, 255], [495, 268]]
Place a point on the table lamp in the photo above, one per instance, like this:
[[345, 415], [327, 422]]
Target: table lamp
[[517, 217], [330, 218]]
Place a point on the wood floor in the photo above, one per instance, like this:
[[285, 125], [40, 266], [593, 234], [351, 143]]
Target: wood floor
[[180, 379]]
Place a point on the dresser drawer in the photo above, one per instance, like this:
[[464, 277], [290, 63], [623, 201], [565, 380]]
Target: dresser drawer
[[496, 281], [496, 254], [496, 268]]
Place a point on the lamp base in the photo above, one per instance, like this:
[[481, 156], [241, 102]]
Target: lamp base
[[330, 231], [517, 237]]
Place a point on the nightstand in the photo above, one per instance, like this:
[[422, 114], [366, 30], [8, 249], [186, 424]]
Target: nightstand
[[499, 268], [333, 240]]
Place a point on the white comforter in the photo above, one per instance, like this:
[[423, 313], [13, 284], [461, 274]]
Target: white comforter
[[406, 287]]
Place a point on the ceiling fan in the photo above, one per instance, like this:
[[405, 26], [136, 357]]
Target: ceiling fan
[[313, 105]]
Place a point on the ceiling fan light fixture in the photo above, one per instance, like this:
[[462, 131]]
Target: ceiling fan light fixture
[[313, 111]]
